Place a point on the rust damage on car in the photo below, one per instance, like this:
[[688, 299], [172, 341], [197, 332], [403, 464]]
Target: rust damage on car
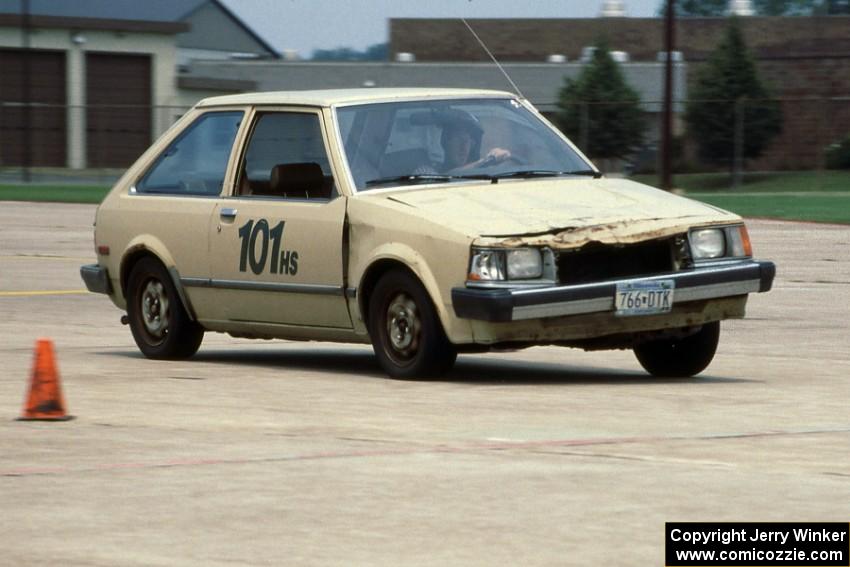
[[629, 231]]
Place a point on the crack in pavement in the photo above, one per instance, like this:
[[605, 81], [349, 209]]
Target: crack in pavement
[[469, 448]]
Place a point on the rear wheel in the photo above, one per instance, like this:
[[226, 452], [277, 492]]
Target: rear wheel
[[406, 333], [680, 357], [159, 323]]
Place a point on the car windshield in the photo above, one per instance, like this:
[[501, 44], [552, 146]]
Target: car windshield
[[435, 141]]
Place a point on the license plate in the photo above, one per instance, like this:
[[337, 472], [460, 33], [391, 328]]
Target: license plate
[[644, 298]]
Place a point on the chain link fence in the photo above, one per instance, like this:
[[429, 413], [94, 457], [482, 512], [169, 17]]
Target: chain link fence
[[737, 138], [54, 141]]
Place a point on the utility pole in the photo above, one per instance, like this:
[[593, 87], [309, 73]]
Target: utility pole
[[667, 120], [26, 161], [738, 143]]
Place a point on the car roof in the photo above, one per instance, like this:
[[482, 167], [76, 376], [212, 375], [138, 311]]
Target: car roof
[[332, 97]]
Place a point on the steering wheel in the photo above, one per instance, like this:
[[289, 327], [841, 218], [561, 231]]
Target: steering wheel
[[510, 159]]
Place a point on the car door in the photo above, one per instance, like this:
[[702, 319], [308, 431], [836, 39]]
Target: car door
[[174, 199], [276, 244]]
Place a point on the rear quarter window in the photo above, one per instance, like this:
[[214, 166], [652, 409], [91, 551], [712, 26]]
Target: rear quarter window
[[196, 161]]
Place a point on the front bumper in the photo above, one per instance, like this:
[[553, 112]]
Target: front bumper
[[503, 305], [96, 278]]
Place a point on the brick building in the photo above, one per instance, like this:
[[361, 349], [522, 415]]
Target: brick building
[[805, 60]]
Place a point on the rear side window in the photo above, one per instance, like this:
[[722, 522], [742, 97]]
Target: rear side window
[[195, 163]]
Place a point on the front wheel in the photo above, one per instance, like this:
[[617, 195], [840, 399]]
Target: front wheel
[[406, 333], [160, 325], [668, 358]]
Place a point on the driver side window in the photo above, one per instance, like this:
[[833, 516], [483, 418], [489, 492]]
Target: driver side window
[[286, 158]]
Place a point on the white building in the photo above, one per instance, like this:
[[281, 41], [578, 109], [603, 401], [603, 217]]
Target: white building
[[102, 74]]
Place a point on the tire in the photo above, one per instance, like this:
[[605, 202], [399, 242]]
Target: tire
[[160, 325], [407, 336], [682, 358]]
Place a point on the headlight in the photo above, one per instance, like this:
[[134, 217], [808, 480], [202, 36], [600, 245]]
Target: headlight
[[728, 241], [707, 243], [499, 265], [524, 264]]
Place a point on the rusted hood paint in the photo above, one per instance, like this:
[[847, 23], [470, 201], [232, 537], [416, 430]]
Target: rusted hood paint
[[564, 212]]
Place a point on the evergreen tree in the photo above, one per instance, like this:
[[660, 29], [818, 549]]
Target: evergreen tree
[[727, 80], [700, 8], [601, 109]]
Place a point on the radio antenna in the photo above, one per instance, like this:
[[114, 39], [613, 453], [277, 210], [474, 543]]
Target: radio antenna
[[493, 57]]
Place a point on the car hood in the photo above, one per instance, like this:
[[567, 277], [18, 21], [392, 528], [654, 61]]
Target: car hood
[[564, 210]]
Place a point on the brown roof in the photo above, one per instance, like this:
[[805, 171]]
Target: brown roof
[[62, 22]]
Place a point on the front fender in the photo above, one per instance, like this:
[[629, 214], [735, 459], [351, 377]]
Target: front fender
[[458, 331]]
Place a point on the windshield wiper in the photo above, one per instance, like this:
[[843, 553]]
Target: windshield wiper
[[546, 173], [436, 177], [424, 177], [412, 177], [588, 172]]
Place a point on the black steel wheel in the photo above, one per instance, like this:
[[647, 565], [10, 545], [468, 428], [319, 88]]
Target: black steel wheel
[[669, 358], [160, 325], [407, 336]]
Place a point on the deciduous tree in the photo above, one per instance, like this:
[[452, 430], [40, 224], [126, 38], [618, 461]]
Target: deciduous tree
[[719, 8], [376, 52], [789, 7]]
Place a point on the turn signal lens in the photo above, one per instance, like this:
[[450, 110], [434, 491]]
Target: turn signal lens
[[487, 265], [739, 241]]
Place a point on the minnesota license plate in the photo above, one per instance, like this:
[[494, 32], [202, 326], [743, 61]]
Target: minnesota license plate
[[644, 298]]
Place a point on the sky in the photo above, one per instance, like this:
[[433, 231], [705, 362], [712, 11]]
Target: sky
[[305, 25]]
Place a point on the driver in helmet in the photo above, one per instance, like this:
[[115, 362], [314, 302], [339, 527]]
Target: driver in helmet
[[460, 139], [461, 142]]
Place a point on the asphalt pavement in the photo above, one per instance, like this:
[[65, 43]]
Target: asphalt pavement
[[286, 453]]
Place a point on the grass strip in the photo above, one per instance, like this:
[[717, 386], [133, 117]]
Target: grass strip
[[778, 182], [833, 207], [54, 193]]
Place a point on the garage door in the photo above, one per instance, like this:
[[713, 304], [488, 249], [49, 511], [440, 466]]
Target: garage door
[[46, 133], [118, 116]]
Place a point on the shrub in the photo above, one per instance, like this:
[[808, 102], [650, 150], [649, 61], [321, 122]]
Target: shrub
[[838, 154]]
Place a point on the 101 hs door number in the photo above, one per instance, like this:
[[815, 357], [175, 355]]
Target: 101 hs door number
[[254, 251]]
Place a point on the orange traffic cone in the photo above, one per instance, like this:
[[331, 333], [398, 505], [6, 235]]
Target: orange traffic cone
[[44, 402]]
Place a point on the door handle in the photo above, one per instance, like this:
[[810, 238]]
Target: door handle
[[228, 213]]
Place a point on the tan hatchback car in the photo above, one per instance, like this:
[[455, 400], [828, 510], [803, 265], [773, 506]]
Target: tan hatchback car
[[425, 222]]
